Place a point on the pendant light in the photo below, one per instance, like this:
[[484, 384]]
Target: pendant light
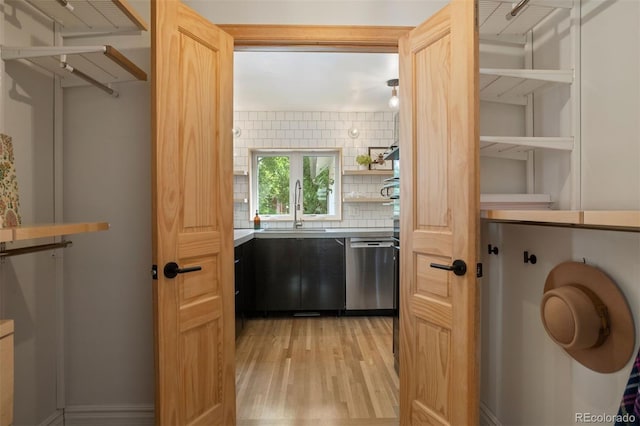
[[394, 102]]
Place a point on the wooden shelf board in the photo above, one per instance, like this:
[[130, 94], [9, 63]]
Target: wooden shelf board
[[613, 218], [6, 234], [240, 201], [104, 64], [240, 173], [366, 200], [569, 217], [6, 327], [92, 16], [513, 85], [367, 173], [28, 232], [492, 16]]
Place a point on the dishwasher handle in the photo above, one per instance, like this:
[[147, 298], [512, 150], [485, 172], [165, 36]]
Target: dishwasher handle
[[372, 244]]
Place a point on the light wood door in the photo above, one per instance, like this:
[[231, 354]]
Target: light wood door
[[192, 116], [439, 219]]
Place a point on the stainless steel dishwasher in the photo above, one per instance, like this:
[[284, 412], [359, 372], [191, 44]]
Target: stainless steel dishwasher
[[369, 273]]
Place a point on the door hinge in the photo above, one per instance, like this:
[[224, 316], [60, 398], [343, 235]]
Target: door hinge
[[479, 270], [154, 272]]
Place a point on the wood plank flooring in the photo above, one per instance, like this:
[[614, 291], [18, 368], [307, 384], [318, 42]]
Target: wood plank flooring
[[316, 371]]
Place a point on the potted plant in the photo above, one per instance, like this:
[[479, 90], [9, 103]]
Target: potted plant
[[364, 160]]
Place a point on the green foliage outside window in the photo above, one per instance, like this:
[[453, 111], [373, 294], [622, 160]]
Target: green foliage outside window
[[317, 185], [273, 185]]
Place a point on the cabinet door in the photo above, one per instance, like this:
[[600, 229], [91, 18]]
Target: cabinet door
[[322, 283], [248, 279], [278, 266], [239, 286]]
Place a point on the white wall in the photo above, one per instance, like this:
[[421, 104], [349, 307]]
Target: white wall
[[526, 378], [28, 286]]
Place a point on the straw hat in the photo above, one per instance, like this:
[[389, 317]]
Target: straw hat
[[585, 313]]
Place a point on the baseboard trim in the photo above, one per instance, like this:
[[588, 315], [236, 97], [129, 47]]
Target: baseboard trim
[[55, 419], [109, 415], [487, 418]]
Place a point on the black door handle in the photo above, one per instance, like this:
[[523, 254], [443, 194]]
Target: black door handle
[[171, 269], [459, 267]]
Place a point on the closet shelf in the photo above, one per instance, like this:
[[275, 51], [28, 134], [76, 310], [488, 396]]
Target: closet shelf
[[91, 16], [512, 86], [28, 232], [515, 201], [517, 147], [628, 220], [367, 172], [98, 65], [492, 15]]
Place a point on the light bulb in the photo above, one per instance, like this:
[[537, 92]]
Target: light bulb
[[394, 102]]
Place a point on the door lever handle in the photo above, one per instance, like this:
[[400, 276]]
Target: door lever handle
[[171, 269], [459, 267]]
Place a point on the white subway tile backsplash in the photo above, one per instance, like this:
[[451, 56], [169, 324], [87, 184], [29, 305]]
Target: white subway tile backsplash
[[309, 129]]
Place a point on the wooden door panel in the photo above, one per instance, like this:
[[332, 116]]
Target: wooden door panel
[[439, 214], [193, 218]]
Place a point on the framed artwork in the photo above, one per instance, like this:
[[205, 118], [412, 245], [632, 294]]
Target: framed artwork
[[378, 162]]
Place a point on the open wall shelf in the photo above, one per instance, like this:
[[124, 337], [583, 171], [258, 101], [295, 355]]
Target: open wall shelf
[[79, 65], [627, 220], [512, 86], [91, 16], [28, 232], [367, 172]]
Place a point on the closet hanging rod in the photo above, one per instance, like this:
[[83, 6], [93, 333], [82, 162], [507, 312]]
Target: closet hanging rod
[[88, 79], [33, 249], [516, 8], [66, 5]]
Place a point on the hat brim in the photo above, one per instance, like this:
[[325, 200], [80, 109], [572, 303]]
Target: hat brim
[[617, 348]]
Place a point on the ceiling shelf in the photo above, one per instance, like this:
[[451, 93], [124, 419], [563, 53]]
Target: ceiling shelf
[[367, 172], [77, 17], [28, 232], [493, 20], [512, 86], [79, 65]]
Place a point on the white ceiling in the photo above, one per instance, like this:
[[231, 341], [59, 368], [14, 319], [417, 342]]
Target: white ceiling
[[320, 81]]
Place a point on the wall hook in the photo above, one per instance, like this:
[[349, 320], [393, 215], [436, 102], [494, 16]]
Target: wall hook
[[530, 259], [492, 250]]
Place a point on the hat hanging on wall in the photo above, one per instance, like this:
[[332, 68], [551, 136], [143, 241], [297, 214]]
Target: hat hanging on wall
[[585, 313]]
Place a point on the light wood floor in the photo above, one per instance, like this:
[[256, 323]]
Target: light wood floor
[[316, 371]]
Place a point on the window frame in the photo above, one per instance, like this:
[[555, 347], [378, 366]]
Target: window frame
[[295, 172]]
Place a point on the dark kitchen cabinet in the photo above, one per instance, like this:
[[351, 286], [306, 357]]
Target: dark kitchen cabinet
[[304, 274], [244, 283], [278, 273], [322, 278]]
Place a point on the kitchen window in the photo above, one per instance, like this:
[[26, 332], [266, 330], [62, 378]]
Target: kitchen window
[[273, 184]]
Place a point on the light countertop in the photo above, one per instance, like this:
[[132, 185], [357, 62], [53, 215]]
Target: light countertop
[[241, 236]]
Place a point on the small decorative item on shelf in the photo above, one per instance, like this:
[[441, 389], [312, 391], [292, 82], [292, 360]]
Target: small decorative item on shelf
[[364, 160], [9, 203], [256, 221], [378, 162]]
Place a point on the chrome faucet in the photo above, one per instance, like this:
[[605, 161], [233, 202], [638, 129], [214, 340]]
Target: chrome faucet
[[297, 192]]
